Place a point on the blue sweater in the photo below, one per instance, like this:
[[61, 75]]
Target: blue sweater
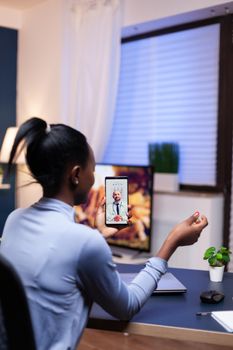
[[66, 266]]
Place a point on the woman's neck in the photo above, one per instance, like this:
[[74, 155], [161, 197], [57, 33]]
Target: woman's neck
[[64, 197]]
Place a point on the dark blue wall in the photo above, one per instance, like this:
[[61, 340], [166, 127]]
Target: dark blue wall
[[8, 68]]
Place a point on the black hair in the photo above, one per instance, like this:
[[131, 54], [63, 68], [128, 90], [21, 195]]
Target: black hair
[[49, 150]]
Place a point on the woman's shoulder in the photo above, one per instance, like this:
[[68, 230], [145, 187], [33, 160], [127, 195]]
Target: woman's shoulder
[[88, 232], [13, 219], [93, 238], [15, 213], [85, 229]]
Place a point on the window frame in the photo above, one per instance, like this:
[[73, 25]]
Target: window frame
[[225, 109]]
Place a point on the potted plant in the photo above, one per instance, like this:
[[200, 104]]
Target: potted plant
[[164, 157], [217, 259], [1, 174]]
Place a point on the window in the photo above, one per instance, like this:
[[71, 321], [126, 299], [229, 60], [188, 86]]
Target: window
[[168, 91]]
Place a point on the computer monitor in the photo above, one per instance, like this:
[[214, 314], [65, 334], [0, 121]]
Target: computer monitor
[[138, 235]]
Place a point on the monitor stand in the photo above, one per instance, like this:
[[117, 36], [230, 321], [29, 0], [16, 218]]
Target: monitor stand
[[128, 256]]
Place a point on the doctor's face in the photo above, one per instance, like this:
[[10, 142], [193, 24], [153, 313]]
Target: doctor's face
[[117, 196]]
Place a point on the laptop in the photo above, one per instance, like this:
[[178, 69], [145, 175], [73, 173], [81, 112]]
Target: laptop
[[168, 283]]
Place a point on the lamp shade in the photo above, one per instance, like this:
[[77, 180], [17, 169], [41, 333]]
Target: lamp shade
[[7, 146]]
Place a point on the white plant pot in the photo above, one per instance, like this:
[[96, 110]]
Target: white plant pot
[[166, 182], [1, 179], [216, 273]]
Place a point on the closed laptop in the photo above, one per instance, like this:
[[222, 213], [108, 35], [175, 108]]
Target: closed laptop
[[167, 284]]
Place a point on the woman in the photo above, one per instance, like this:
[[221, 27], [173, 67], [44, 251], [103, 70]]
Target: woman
[[66, 266]]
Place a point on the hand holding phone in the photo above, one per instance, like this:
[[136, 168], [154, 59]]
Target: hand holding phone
[[116, 207]]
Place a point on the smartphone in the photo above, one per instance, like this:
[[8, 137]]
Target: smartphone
[[116, 207]]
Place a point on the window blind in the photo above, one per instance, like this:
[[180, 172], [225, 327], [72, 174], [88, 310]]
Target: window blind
[[168, 91]]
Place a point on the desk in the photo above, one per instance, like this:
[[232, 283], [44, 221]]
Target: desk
[[174, 316]]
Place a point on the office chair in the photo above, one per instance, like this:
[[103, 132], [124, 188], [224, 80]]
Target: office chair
[[3, 336], [15, 321]]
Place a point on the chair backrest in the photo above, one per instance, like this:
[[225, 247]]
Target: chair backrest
[[3, 336], [15, 320]]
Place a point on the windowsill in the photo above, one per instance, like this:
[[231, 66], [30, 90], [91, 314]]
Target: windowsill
[[189, 193]]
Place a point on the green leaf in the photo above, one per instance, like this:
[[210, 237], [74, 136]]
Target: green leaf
[[225, 258], [223, 249], [211, 249], [209, 252], [212, 261], [219, 256]]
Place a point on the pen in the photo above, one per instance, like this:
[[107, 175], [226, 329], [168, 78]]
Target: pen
[[205, 313]]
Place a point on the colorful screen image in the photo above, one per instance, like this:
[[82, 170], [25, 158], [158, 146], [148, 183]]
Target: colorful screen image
[[140, 183]]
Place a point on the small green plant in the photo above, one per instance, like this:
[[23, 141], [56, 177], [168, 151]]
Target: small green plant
[[218, 257], [164, 157], [1, 170], [1, 174]]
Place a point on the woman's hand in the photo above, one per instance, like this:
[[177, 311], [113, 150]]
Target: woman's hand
[[185, 233], [106, 231]]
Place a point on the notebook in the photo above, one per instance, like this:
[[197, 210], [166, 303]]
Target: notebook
[[167, 284], [225, 318]]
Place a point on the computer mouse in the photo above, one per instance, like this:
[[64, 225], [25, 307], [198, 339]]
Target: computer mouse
[[211, 297]]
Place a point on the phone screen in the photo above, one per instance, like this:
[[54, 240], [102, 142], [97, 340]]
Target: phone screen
[[116, 208]]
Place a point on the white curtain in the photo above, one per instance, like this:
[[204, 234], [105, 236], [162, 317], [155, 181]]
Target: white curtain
[[91, 61]]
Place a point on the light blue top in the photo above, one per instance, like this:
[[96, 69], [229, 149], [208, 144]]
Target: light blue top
[[66, 266]]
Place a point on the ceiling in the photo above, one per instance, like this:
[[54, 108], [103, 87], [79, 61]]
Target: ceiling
[[19, 4], [182, 18]]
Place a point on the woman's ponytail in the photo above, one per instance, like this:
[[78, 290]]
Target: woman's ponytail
[[28, 132], [49, 150]]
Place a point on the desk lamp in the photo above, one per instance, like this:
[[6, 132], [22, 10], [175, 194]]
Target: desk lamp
[[7, 145], [6, 148]]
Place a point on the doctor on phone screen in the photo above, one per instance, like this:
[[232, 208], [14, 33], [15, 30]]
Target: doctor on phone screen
[[117, 210]]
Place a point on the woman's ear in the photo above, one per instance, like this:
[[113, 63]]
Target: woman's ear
[[75, 172]]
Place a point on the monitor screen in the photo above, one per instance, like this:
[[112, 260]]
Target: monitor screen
[[140, 184]]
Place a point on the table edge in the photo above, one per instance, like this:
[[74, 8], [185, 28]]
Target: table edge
[[169, 332]]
